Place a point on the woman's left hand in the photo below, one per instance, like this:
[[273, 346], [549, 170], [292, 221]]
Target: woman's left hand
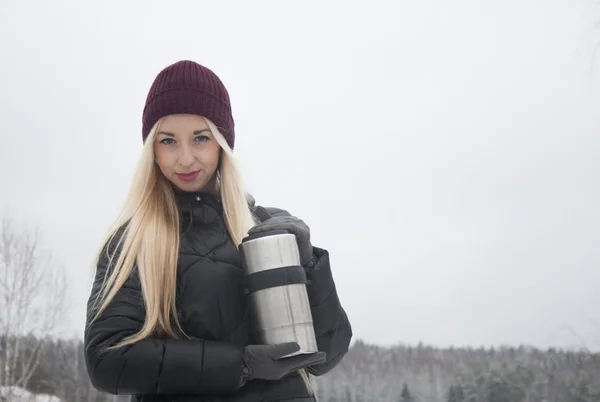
[[289, 223]]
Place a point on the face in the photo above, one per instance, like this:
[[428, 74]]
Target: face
[[186, 152]]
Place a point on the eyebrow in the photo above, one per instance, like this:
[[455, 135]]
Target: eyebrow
[[173, 135]]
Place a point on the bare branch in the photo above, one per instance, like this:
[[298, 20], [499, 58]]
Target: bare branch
[[33, 295]]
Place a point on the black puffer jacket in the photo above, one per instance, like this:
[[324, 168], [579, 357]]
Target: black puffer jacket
[[212, 309]]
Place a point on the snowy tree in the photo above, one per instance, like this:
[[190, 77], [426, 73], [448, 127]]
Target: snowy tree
[[406, 396], [456, 394], [32, 296]]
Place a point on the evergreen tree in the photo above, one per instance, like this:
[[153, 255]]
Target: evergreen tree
[[406, 396], [460, 393], [451, 394], [501, 390], [456, 393]]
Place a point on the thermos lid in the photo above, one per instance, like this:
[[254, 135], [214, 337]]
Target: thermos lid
[[264, 234]]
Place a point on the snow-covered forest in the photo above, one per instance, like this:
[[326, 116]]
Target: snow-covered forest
[[371, 373], [427, 374]]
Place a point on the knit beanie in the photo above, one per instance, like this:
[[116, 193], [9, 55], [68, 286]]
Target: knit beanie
[[188, 87]]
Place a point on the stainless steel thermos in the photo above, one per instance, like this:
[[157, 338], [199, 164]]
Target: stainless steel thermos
[[275, 282]]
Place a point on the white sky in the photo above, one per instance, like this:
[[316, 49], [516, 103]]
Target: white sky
[[446, 156]]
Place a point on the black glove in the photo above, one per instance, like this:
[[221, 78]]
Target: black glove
[[291, 224], [265, 361]]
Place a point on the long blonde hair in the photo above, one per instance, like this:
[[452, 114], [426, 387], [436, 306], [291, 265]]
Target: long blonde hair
[[150, 239]]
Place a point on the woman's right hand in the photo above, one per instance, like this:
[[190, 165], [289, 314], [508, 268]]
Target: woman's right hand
[[266, 361]]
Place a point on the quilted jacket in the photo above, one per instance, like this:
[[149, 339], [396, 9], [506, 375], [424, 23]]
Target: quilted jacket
[[213, 311]]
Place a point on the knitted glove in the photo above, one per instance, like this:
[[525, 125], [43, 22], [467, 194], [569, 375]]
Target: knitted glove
[[289, 223], [266, 362]]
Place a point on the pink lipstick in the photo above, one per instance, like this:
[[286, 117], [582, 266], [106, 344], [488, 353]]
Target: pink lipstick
[[188, 176]]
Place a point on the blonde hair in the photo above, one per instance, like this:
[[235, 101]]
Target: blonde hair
[[149, 225]]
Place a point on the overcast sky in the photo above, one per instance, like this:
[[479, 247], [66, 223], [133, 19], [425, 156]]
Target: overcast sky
[[446, 155]]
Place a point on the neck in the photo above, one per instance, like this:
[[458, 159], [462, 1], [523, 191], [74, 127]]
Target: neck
[[213, 186]]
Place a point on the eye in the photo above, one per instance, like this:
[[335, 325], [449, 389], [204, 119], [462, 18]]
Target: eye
[[167, 141], [202, 138]]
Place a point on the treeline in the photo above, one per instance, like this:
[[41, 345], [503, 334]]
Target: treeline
[[60, 369], [427, 374], [370, 373]]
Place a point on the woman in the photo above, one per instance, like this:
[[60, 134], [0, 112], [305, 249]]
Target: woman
[[167, 316]]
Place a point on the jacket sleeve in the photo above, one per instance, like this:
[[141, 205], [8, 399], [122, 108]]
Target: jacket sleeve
[[332, 327], [153, 365]]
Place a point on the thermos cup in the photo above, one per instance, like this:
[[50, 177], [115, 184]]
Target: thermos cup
[[275, 282]]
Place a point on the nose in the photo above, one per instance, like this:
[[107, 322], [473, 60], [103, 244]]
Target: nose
[[186, 157]]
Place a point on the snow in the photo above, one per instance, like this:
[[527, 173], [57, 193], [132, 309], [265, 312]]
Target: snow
[[17, 394]]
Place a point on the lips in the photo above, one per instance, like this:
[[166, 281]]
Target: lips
[[188, 176]]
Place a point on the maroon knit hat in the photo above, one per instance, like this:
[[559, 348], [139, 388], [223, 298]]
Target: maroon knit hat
[[188, 87]]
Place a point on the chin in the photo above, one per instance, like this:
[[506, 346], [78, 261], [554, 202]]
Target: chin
[[190, 187]]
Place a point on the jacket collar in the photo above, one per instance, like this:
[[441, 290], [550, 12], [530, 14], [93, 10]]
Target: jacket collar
[[194, 204], [186, 200], [198, 207]]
